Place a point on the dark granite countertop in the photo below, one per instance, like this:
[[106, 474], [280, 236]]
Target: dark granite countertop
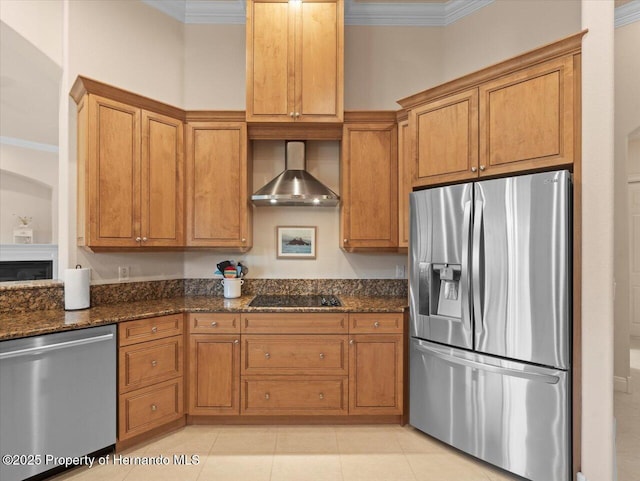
[[24, 324]]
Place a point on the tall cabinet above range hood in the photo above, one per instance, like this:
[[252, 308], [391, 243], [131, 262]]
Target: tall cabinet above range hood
[[295, 186]]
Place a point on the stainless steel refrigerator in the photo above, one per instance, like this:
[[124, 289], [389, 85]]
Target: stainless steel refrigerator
[[490, 300]]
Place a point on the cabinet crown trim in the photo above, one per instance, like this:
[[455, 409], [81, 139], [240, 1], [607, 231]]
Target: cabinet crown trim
[[566, 46]]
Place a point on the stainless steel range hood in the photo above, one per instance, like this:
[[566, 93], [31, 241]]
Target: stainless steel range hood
[[295, 186]]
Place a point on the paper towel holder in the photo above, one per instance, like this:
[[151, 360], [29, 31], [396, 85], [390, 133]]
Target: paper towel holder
[[77, 291]]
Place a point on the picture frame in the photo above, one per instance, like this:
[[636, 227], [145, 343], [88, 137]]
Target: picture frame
[[296, 242]]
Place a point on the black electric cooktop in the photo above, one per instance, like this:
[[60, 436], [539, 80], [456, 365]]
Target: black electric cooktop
[[319, 300]]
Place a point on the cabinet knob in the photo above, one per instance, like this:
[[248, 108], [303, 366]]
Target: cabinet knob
[[322, 355], [236, 341], [352, 342], [144, 239], [482, 168], [376, 324], [267, 355], [297, 114], [154, 329], [243, 239], [473, 169], [214, 324], [291, 114], [154, 363], [267, 396], [345, 241], [321, 396], [138, 239], [154, 407]]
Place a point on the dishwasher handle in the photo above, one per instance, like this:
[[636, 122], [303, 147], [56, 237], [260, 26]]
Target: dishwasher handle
[[52, 347]]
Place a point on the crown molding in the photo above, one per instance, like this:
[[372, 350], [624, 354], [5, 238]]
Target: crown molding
[[28, 144], [390, 13], [232, 12], [410, 14], [173, 8], [356, 13], [627, 13]]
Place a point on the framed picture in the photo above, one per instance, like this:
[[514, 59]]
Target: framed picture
[[296, 242]]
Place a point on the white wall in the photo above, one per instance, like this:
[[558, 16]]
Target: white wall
[[503, 29], [627, 120], [214, 68], [29, 187], [597, 240], [38, 21], [384, 64]]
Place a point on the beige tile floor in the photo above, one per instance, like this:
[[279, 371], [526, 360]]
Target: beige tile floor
[[297, 453], [334, 453], [627, 413]]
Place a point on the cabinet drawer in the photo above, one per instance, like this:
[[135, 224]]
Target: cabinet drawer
[[148, 408], [376, 323], [149, 329], [149, 363], [294, 395], [310, 355], [295, 323], [214, 323]]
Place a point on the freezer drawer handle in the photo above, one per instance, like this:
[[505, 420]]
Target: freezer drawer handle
[[52, 347], [532, 376]]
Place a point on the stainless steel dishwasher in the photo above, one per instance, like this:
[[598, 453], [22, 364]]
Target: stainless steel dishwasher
[[57, 399]]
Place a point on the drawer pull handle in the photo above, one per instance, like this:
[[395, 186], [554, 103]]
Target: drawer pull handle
[[154, 363], [321, 396], [376, 324], [266, 396], [154, 329], [322, 355], [214, 324], [267, 355], [154, 407]]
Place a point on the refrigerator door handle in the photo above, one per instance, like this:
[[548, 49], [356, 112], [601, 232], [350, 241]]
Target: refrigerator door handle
[[475, 265], [452, 359], [464, 267]]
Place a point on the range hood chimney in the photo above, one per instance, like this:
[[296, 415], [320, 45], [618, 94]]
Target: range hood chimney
[[295, 186]]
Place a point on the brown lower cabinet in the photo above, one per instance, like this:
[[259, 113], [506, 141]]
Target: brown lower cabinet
[[214, 364], [259, 364], [150, 374]]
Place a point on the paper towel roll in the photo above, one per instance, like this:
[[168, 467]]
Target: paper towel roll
[[76, 288]]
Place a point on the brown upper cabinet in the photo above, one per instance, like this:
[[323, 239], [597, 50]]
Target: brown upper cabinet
[[130, 180], [217, 178], [369, 182], [405, 179], [516, 116], [295, 57]]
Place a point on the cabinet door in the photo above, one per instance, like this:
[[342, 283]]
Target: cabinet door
[[369, 190], [270, 61], [444, 136], [113, 174], [527, 118], [218, 213], [405, 179], [375, 374], [162, 181], [319, 53], [214, 374]]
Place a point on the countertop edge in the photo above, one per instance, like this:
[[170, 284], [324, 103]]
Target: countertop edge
[[35, 323]]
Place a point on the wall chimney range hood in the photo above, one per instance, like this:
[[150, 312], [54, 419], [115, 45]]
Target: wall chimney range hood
[[295, 186]]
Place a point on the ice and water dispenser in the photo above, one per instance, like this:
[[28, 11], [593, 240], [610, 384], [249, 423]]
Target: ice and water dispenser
[[443, 284]]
